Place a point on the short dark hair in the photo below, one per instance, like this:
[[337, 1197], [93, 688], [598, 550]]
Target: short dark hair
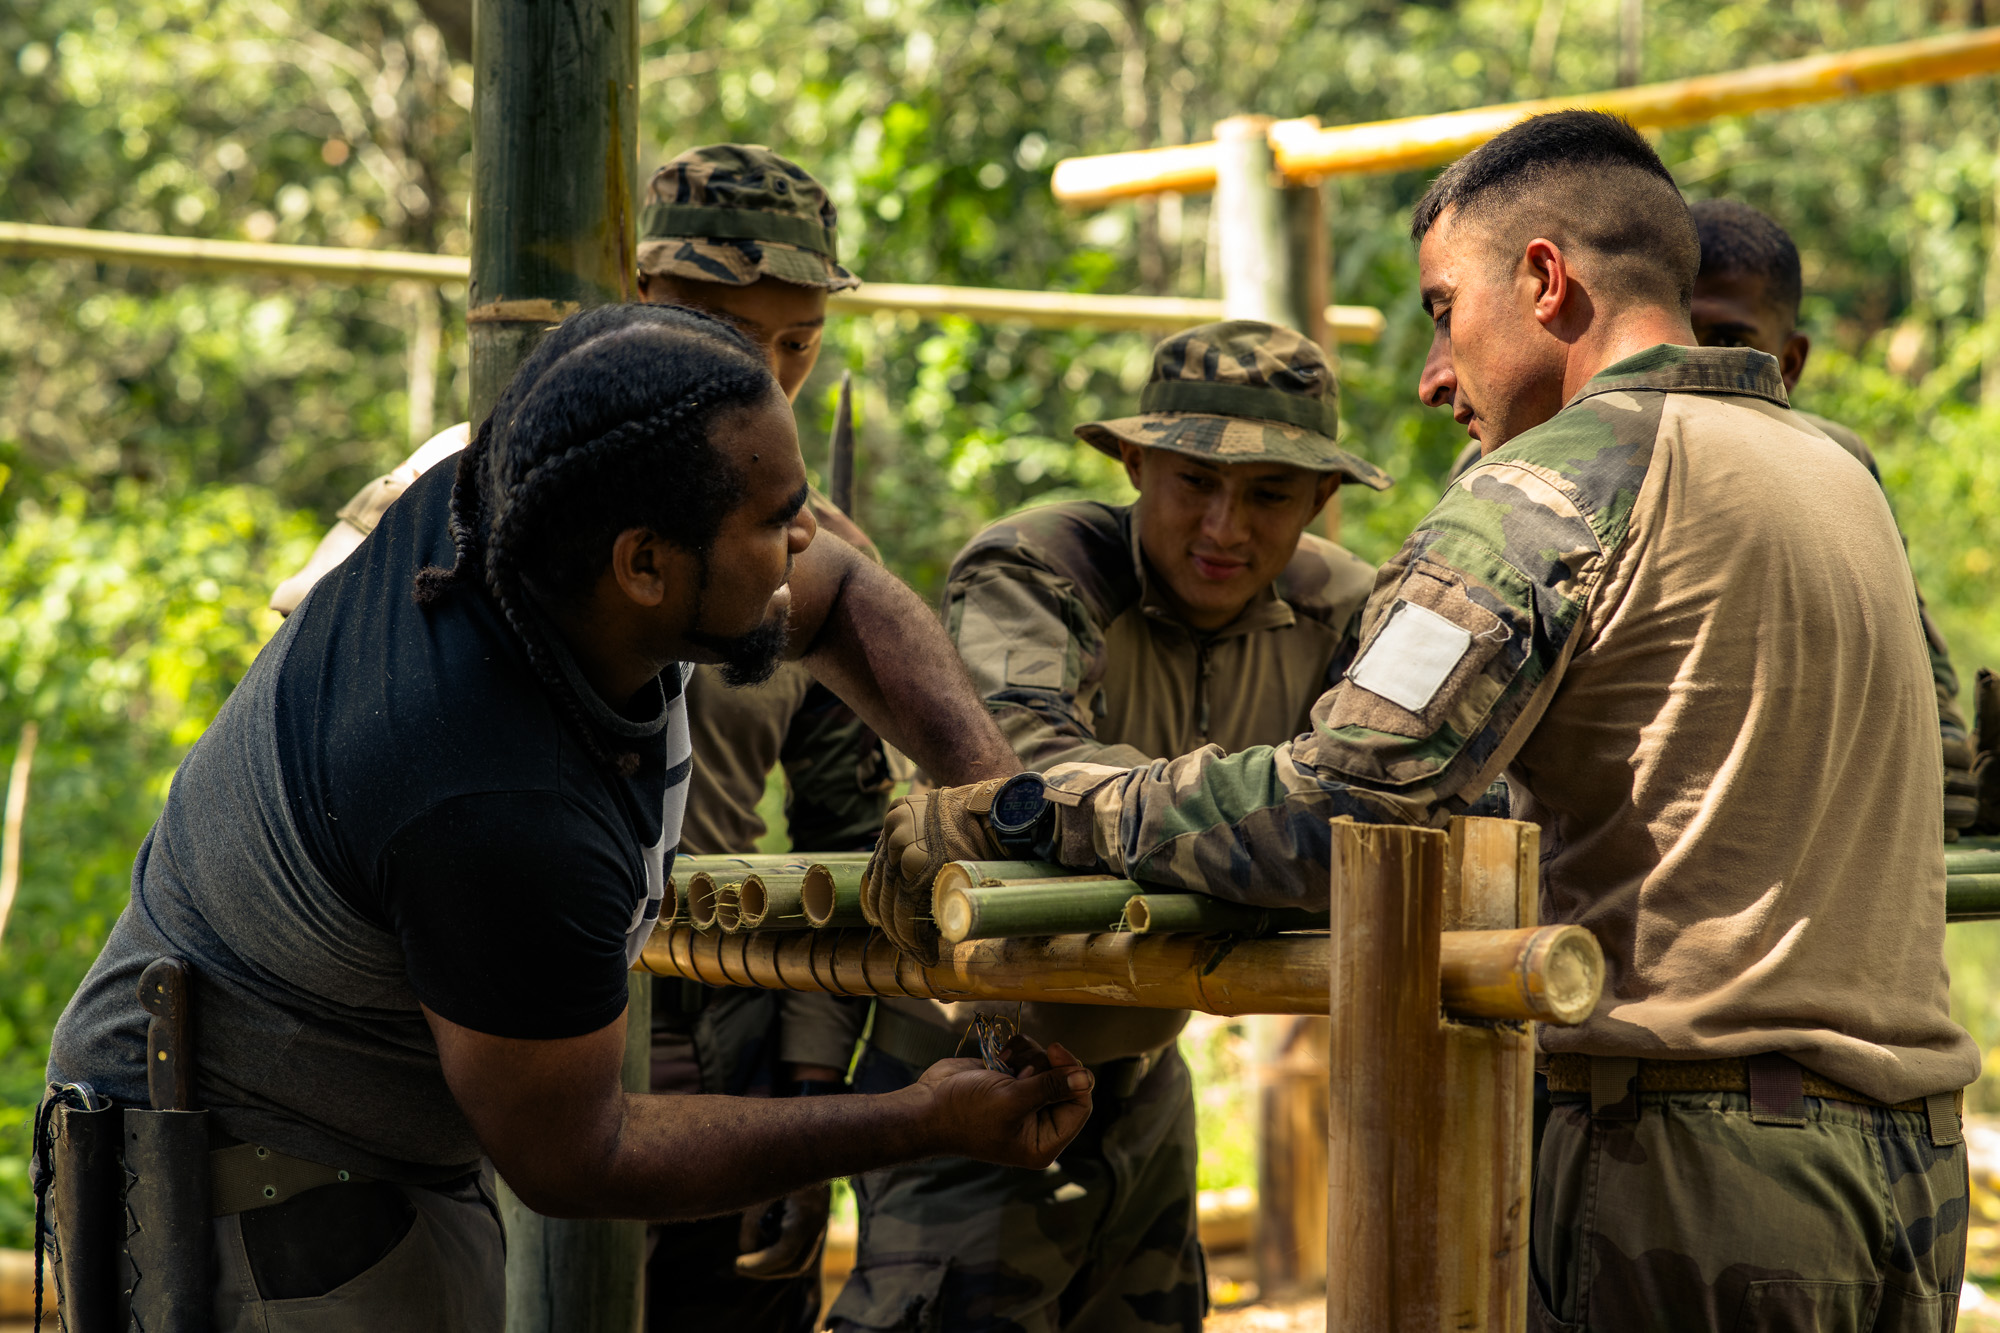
[[1585, 179], [1736, 238], [606, 426]]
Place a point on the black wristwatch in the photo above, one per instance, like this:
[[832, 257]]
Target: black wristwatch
[[1021, 816]]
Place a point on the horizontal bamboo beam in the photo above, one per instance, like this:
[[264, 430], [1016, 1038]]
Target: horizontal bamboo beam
[[1553, 974], [1972, 898], [992, 305], [1306, 152]]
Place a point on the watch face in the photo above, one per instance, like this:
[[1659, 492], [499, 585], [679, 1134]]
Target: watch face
[[1018, 804]]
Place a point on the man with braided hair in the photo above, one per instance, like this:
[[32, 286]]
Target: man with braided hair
[[737, 230], [1679, 618], [414, 857]]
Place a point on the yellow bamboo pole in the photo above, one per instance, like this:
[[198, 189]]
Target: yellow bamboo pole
[[1306, 152], [996, 305], [1480, 977], [1489, 1074]]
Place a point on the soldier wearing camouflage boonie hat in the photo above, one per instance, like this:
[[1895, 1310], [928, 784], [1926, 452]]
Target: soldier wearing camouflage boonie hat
[[1073, 622], [735, 213], [1240, 392]]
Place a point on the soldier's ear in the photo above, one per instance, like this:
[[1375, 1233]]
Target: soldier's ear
[[1324, 487], [1792, 358], [1134, 458]]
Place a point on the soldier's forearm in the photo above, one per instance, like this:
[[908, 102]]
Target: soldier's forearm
[[1043, 734], [882, 650], [1198, 822]]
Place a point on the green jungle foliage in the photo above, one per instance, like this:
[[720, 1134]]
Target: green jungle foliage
[[172, 443]]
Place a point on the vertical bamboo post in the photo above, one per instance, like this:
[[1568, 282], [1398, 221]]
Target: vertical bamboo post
[[1489, 1071], [1272, 243], [555, 150], [1386, 1063], [1289, 1237]]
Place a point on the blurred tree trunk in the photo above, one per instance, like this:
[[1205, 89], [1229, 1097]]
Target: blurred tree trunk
[[1135, 44], [1631, 41]]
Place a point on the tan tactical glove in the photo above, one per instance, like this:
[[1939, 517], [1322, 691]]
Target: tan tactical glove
[[922, 834]]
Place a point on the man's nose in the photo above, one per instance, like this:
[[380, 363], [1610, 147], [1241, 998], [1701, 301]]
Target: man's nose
[[1437, 384], [1223, 523], [804, 528]]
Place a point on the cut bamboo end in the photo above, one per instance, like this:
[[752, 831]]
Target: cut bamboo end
[[752, 902], [830, 894], [701, 894], [1551, 974], [729, 907]]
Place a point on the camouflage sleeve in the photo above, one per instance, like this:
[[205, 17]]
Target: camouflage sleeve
[[1037, 657], [836, 776], [1466, 637]]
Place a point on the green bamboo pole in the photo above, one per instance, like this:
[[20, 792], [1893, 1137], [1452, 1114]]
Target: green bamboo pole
[[1972, 898], [831, 894], [1971, 861], [773, 900], [555, 153], [1166, 913], [1045, 907]]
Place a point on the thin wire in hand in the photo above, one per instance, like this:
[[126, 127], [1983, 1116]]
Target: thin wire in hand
[[993, 1032]]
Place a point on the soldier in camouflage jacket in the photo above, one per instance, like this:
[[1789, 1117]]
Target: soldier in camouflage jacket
[[1202, 614], [1680, 619]]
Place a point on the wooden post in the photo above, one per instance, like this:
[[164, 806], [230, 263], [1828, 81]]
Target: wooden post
[[555, 135], [1289, 1238], [1489, 1073], [1272, 243], [1386, 1068], [566, 1276], [1272, 236], [555, 139]]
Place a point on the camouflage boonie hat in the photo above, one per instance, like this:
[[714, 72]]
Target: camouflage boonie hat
[[1240, 392], [733, 213]]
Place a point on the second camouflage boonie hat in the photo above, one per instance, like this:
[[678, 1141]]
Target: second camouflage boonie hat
[[1240, 392], [733, 213]]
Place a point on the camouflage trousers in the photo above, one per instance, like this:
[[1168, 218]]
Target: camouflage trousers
[[1693, 1216], [1103, 1241]]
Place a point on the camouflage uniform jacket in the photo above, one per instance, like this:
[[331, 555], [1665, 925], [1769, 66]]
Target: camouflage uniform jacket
[[1079, 657], [1951, 719], [1719, 757]]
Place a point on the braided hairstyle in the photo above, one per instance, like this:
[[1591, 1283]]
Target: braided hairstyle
[[604, 427]]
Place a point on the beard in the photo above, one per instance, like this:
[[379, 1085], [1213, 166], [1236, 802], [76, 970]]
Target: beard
[[747, 659]]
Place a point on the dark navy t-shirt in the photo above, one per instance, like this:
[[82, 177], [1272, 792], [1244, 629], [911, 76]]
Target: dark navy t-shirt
[[392, 810], [441, 791]]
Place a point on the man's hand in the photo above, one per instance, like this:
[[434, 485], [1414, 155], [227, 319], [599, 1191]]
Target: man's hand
[[920, 835], [1021, 1119], [802, 1218]]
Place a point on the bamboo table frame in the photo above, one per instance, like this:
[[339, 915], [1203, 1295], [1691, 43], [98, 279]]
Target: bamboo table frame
[[1429, 1095]]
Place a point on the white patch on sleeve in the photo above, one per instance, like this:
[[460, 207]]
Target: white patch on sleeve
[[1412, 657]]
